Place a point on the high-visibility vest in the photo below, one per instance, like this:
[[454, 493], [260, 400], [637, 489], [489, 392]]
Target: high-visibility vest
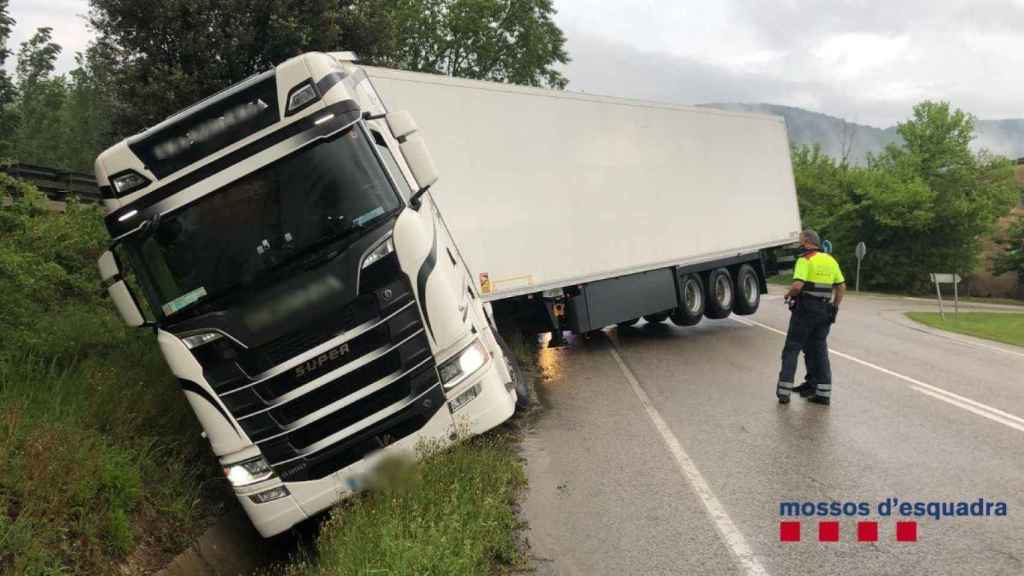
[[819, 272]]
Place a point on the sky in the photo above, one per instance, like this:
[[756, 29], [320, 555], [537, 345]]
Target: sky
[[865, 61]]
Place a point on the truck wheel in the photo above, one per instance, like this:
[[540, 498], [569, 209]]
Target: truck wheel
[[628, 323], [518, 378], [692, 309], [656, 318], [748, 288], [721, 294]]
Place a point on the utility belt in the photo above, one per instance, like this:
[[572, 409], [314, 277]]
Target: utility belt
[[814, 297]]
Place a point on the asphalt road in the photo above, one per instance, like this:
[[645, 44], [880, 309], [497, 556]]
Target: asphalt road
[[662, 450]]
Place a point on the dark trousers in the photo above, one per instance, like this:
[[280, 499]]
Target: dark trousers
[[814, 372], [809, 325]]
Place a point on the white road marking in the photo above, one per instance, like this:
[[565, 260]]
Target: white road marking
[[973, 406], [731, 535]]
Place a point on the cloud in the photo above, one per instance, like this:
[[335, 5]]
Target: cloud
[[867, 61]]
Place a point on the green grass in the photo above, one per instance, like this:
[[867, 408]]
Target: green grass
[[451, 514], [97, 455], [1001, 327], [101, 461], [785, 280]]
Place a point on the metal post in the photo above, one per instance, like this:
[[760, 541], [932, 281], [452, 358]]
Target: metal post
[[858, 274], [956, 297], [938, 293]]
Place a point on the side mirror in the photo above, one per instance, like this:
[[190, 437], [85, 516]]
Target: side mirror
[[401, 124], [421, 164], [119, 293], [108, 266]]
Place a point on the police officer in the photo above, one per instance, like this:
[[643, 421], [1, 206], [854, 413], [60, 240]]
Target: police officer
[[806, 388], [816, 278]]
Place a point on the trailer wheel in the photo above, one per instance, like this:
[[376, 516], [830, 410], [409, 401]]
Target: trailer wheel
[[629, 323], [721, 294], [748, 286], [656, 318], [692, 308], [518, 378]]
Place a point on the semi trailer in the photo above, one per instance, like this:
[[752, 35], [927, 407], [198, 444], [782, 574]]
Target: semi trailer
[[576, 212], [325, 300]]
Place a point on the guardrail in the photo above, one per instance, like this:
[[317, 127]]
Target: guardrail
[[56, 184]]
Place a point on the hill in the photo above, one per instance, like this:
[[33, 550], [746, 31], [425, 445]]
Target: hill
[[835, 135]]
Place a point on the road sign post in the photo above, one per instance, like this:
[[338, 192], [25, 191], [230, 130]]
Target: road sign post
[[860, 251], [954, 279]]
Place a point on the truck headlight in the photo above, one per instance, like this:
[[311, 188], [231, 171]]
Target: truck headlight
[[301, 96], [382, 250], [127, 182], [463, 364], [248, 472]]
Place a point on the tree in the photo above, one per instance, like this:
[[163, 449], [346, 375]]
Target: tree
[[922, 206], [8, 93], [86, 114], [503, 40], [40, 132], [1011, 258], [167, 55]]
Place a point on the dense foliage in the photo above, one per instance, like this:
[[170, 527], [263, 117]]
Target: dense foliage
[[1011, 259], [59, 120], [515, 42], [921, 206], [149, 60], [170, 54]]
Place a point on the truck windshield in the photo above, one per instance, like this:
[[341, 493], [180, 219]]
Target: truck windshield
[[260, 223]]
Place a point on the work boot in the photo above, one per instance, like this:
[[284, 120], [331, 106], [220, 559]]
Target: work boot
[[823, 400], [805, 389], [783, 390]]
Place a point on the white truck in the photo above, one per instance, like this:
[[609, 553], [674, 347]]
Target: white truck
[[283, 240]]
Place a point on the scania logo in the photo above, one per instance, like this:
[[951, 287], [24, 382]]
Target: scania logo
[[316, 362], [387, 294]]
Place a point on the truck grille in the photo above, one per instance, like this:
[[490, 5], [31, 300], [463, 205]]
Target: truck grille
[[320, 400]]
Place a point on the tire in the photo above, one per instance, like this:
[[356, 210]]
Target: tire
[[629, 323], [693, 301], [748, 290], [721, 294], [518, 378], [656, 318]]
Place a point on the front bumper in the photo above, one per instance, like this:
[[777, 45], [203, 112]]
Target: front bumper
[[493, 405]]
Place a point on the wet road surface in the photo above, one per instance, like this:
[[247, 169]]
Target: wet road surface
[[662, 450]]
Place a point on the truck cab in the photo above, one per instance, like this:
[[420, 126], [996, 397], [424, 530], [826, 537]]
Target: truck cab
[[281, 240]]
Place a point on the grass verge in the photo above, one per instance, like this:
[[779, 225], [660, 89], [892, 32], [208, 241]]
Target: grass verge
[[452, 513], [101, 461], [999, 326], [784, 280]]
